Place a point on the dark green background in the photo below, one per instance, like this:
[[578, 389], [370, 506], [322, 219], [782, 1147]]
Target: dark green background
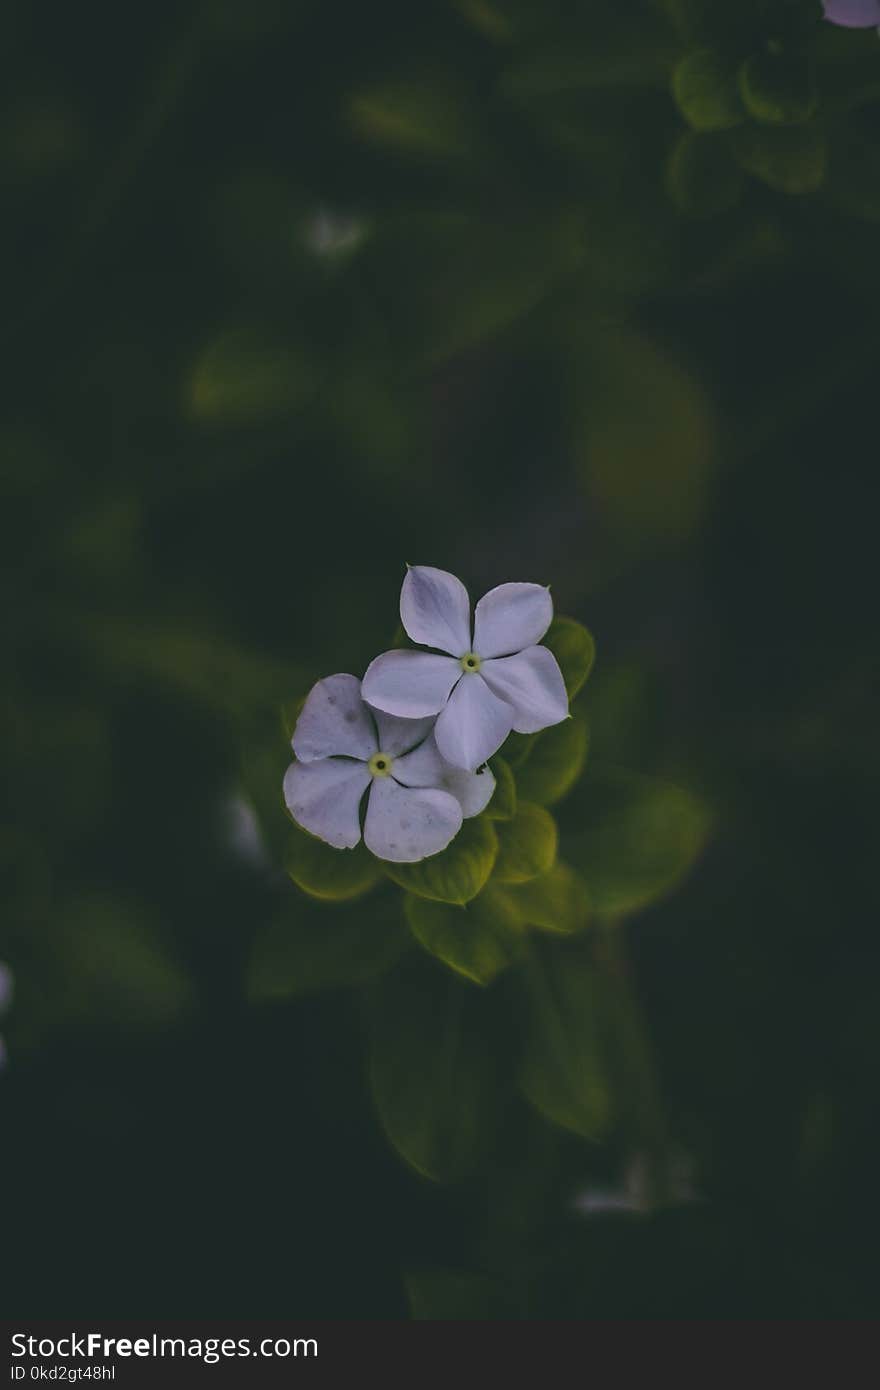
[[296, 293]]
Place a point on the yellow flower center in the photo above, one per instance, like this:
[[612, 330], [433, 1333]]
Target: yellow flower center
[[470, 663], [380, 765]]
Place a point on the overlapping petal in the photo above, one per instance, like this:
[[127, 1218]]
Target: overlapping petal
[[334, 722], [324, 797], [511, 617], [410, 684], [531, 686], [435, 610], [406, 824], [397, 736], [426, 767], [473, 724]]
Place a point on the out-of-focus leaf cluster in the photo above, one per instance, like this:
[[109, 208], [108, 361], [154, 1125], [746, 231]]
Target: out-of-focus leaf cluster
[[585, 294]]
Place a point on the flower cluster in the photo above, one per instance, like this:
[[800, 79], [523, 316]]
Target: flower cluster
[[411, 740]]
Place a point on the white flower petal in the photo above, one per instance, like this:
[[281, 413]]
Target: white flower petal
[[510, 618], [410, 684], [472, 790], [531, 682], [406, 824], [473, 724], [435, 610], [334, 722], [425, 767], [324, 797], [397, 736]]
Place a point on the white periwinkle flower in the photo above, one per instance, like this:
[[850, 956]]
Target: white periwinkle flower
[[490, 682], [416, 801]]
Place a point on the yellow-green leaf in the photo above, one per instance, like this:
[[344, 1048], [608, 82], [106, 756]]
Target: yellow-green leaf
[[333, 874], [563, 1071], [573, 646], [503, 803], [555, 762], [558, 901], [478, 940], [638, 837], [433, 1069], [527, 844], [705, 87]]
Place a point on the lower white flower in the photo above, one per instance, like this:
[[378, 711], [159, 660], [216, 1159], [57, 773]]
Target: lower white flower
[[416, 801]]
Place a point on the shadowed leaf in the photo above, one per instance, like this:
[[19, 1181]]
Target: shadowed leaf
[[333, 874], [527, 844], [478, 940], [555, 761], [503, 803], [636, 839], [563, 1071], [705, 87], [573, 646], [433, 1069], [558, 901]]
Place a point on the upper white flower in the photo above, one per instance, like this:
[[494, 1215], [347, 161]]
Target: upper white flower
[[416, 800], [491, 681]]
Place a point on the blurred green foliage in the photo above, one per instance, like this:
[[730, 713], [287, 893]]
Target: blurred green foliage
[[529, 291]]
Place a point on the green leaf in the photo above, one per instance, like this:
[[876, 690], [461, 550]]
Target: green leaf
[[299, 952], [638, 837], [332, 874], [434, 1071], [702, 178], [503, 803], [478, 940], [527, 844], [778, 88], [421, 118], [563, 1073], [791, 159], [573, 646], [517, 748], [247, 376], [459, 872], [555, 762], [705, 87], [558, 901]]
